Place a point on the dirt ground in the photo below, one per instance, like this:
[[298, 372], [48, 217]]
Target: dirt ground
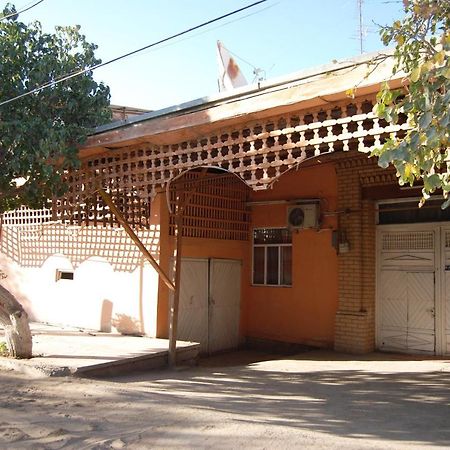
[[311, 400]]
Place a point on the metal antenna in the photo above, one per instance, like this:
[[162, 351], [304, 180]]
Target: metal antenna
[[359, 4], [260, 74]]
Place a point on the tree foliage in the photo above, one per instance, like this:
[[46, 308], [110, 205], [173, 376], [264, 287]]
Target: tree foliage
[[40, 133], [422, 52]]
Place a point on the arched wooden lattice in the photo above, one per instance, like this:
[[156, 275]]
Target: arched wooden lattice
[[214, 205]]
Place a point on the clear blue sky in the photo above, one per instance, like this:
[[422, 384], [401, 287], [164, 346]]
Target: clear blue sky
[[279, 36]]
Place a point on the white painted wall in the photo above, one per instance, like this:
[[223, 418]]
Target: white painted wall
[[81, 302]]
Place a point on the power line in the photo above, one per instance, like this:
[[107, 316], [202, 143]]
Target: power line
[[21, 11], [88, 69], [221, 26], [242, 59]]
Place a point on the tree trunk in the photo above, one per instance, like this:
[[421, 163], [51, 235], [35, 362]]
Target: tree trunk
[[17, 328]]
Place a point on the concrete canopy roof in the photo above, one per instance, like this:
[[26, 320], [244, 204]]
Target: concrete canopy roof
[[306, 89]]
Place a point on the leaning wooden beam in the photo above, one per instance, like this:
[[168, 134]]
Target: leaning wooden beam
[[114, 210]]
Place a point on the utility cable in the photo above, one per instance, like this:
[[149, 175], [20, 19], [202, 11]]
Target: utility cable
[[200, 33], [21, 11], [88, 69]]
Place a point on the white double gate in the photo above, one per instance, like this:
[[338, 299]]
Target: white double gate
[[209, 309], [413, 288]]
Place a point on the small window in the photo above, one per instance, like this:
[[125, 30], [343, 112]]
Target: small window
[[409, 212], [64, 275], [272, 257]]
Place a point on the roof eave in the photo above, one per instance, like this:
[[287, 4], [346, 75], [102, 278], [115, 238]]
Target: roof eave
[[137, 126]]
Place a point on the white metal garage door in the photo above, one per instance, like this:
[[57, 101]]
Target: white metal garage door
[[193, 307], [406, 303], [224, 304], [444, 316], [413, 294], [209, 309], [407, 311]]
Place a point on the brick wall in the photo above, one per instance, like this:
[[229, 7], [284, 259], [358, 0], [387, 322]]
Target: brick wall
[[355, 318]]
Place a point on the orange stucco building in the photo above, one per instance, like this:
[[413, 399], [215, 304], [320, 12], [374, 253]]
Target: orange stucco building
[[291, 234]]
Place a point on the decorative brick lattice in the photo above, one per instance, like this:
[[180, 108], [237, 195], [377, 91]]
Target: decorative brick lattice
[[258, 153]]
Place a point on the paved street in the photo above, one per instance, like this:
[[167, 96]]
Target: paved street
[[314, 400]]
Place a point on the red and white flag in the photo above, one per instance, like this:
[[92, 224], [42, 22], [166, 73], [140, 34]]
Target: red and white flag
[[230, 76]]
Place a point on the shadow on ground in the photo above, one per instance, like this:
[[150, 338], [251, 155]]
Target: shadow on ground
[[411, 406], [245, 399]]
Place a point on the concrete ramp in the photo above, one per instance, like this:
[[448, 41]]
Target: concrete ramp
[[62, 351]]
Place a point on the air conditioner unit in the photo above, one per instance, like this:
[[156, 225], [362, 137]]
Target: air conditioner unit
[[305, 215]]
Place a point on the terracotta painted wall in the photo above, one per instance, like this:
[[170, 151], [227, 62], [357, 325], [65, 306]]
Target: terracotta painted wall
[[305, 312]]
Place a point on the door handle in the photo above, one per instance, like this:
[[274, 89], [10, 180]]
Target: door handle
[[431, 311]]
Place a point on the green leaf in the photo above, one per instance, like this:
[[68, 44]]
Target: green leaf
[[446, 204], [415, 75], [422, 50], [425, 119], [379, 109], [433, 181]]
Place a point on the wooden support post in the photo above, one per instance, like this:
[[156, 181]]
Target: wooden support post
[[174, 304], [173, 319], [114, 210]]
